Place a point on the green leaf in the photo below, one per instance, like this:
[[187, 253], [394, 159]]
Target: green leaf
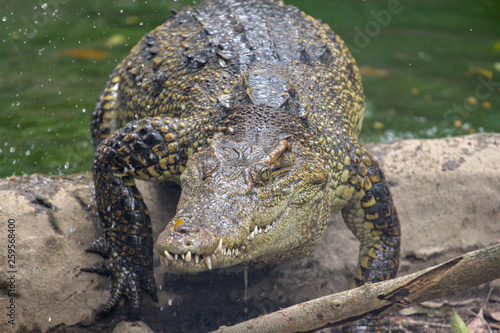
[[457, 324]]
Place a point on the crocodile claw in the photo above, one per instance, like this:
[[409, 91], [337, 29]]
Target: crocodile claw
[[128, 279], [100, 246]]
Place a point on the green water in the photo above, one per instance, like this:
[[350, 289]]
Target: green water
[[430, 69]]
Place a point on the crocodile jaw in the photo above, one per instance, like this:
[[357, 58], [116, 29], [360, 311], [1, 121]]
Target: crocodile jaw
[[291, 236]]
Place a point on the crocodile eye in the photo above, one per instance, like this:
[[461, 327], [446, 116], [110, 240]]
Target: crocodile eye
[[265, 175], [202, 169], [206, 169]]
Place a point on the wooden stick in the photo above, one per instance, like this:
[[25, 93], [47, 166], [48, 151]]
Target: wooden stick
[[463, 272]]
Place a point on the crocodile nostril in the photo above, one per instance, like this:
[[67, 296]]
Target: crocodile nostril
[[186, 228]]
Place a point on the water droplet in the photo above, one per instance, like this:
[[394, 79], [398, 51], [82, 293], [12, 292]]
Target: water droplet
[[12, 149], [4, 19], [66, 165], [28, 153]]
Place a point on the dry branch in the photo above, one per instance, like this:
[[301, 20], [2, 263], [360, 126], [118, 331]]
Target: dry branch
[[463, 272]]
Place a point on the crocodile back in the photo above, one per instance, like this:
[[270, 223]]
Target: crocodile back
[[207, 61]]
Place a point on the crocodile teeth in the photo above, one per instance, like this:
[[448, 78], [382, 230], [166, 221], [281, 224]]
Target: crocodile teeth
[[256, 230], [208, 261], [251, 236], [237, 252], [260, 230], [196, 258], [219, 248], [188, 256], [176, 256], [183, 256], [168, 256]]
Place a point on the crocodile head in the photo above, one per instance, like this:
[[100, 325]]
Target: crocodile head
[[246, 203]]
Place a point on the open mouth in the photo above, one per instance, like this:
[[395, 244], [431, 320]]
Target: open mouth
[[222, 256]]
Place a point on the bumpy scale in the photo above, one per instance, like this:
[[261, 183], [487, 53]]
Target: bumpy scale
[[255, 108]]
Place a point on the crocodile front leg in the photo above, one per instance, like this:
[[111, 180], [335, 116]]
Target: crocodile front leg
[[373, 220], [151, 149]]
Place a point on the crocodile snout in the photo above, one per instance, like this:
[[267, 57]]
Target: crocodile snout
[[185, 236], [186, 228]]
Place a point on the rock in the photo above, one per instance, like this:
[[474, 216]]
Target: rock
[[447, 192], [132, 327]]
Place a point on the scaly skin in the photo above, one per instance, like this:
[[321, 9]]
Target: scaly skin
[[255, 108]]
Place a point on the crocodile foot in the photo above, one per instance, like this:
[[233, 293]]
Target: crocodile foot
[[128, 278]]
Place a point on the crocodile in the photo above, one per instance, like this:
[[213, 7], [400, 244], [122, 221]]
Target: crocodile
[[254, 108]]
